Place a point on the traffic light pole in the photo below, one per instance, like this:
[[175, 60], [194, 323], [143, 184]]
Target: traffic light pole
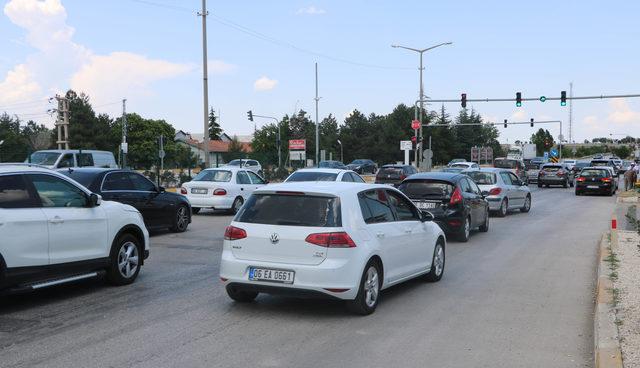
[[600, 97]]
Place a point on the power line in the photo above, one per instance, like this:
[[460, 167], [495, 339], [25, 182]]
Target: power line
[[24, 103], [600, 97]]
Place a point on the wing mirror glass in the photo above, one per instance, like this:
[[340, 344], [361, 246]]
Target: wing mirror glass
[[426, 216], [94, 200]]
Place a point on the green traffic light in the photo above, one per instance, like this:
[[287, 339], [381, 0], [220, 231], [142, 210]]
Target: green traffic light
[[563, 103], [543, 98], [518, 104]]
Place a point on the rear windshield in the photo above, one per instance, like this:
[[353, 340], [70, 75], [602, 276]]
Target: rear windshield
[[583, 164], [551, 168], [213, 175], [312, 176], [600, 163], [482, 178], [393, 171], [461, 165], [84, 178], [426, 189], [594, 173], [293, 210], [505, 164]]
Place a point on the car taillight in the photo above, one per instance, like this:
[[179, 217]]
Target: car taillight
[[560, 173], [220, 192], [606, 180], [331, 240], [183, 191], [495, 191], [456, 197], [581, 179], [234, 233]]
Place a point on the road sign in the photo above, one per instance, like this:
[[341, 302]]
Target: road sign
[[415, 124], [406, 145], [427, 154], [124, 147], [553, 152], [297, 144], [546, 156], [161, 153], [298, 155]]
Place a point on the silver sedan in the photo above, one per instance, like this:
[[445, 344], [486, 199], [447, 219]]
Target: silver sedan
[[502, 189]]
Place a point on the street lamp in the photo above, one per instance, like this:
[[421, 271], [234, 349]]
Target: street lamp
[[341, 153], [420, 51]]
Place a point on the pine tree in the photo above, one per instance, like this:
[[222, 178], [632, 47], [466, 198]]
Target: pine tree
[[214, 128]]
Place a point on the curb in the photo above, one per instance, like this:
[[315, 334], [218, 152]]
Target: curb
[[605, 332]]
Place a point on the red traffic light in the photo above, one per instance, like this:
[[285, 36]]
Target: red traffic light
[[414, 139]]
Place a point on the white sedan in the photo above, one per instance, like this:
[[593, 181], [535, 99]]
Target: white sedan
[[348, 176], [337, 240], [225, 188]]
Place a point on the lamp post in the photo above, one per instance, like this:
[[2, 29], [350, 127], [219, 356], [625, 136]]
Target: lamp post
[[421, 95], [341, 153]]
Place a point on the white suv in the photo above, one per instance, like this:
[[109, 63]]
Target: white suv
[[54, 231]]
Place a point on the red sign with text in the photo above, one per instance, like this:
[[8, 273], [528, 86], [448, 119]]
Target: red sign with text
[[415, 124], [297, 144]]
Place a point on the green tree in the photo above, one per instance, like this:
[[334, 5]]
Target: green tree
[[356, 136], [143, 137], [37, 136], [235, 151], [329, 133], [14, 147], [86, 130], [543, 141], [214, 128]]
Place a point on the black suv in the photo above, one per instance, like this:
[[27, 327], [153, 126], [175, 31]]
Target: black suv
[[363, 166], [394, 174]]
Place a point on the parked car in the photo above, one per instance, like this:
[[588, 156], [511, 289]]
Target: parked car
[[58, 159], [394, 174], [455, 161], [569, 163], [502, 189], [336, 240], [514, 165], [595, 180], [55, 231], [225, 188], [247, 164], [363, 166], [332, 165], [325, 175], [454, 199], [159, 208], [606, 162], [555, 174]]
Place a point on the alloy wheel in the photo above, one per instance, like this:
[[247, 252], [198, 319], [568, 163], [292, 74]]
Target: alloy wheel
[[182, 218], [438, 260], [467, 228], [128, 259], [371, 287]]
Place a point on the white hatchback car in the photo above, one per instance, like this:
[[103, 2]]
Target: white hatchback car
[[225, 188], [53, 231], [348, 176], [346, 241]]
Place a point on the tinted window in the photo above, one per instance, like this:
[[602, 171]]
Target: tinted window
[[213, 175], [482, 178], [66, 161], [82, 177], [464, 186], [255, 178], [505, 164], [294, 210], [551, 168], [377, 206], [56, 192], [356, 178], [242, 178], [312, 176], [84, 159], [347, 177], [404, 209], [506, 178], [117, 181], [14, 192], [436, 189], [142, 183], [390, 172]]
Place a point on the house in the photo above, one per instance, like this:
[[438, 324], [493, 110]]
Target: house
[[217, 148]]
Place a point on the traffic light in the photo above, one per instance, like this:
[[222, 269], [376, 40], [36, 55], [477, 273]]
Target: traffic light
[[532, 122], [518, 99], [505, 123], [463, 100], [414, 139], [543, 98], [250, 115], [563, 98]]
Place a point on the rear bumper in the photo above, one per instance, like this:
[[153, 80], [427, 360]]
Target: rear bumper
[[552, 180], [451, 224], [600, 189], [217, 202], [494, 202]]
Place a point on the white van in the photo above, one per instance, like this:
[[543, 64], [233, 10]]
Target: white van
[[58, 159]]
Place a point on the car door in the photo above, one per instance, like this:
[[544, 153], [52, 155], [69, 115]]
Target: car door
[[380, 226], [509, 187], [473, 200], [24, 222], [416, 250], [518, 193], [156, 207], [244, 184], [117, 186], [77, 232]]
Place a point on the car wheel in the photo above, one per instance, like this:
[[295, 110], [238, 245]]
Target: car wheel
[[237, 204], [437, 263], [527, 204], [195, 210], [504, 207], [565, 184], [124, 263], [539, 185], [464, 234], [611, 192], [485, 227], [181, 220], [367, 299], [578, 192], [241, 296]]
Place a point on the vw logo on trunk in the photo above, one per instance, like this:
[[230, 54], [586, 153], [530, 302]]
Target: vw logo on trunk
[[274, 238]]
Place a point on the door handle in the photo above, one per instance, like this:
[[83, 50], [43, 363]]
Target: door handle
[[56, 220], [380, 235]]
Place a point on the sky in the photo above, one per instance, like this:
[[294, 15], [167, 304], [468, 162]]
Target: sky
[[262, 55]]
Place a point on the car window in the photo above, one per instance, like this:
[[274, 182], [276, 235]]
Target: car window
[[56, 192], [103, 159], [117, 181], [213, 175], [252, 163], [291, 210], [242, 178], [404, 209], [66, 161], [14, 192], [141, 183], [482, 177], [356, 178], [255, 178], [474, 187], [514, 178], [311, 176], [506, 178], [375, 207], [464, 186], [84, 159], [346, 177]]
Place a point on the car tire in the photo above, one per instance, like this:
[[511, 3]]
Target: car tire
[[241, 296], [539, 185], [369, 292], [437, 263], [504, 208], [237, 204], [527, 205], [485, 227], [125, 252], [195, 210], [463, 235], [180, 219], [578, 192], [611, 192]]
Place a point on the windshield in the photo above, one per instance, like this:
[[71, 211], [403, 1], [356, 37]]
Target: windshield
[[293, 210], [426, 189], [505, 164], [213, 175], [82, 177], [45, 158], [358, 162], [594, 173], [461, 165], [582, 164], [551, 168], [482, 178], [312, 176]]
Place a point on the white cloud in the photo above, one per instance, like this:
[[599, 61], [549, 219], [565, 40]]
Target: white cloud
[[18, 86], [220, 67], [311, 10], [518, 115], [622, 113], [264, 84]]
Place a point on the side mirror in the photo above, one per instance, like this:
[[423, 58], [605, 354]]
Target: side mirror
[[94, 200], [426, 216], [161, 189]]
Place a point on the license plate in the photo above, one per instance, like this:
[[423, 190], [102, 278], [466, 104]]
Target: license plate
[[198, 191], [267, 274], [426, 205], [592, 187]]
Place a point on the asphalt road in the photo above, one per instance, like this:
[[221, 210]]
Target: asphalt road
[[520, 295]]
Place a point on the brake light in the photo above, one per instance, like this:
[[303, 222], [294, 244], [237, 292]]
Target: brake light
[[560, 173], [331, 240], [234, 233], [183, 191], [219, 192], [284, 192], [403, 176], [606, 180], [495, 191], [456, 197], [581, 179]]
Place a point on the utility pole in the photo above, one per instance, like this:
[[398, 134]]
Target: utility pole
[[570, 112], [205, 85], [63, 122], [317, 125], [124, 149]]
